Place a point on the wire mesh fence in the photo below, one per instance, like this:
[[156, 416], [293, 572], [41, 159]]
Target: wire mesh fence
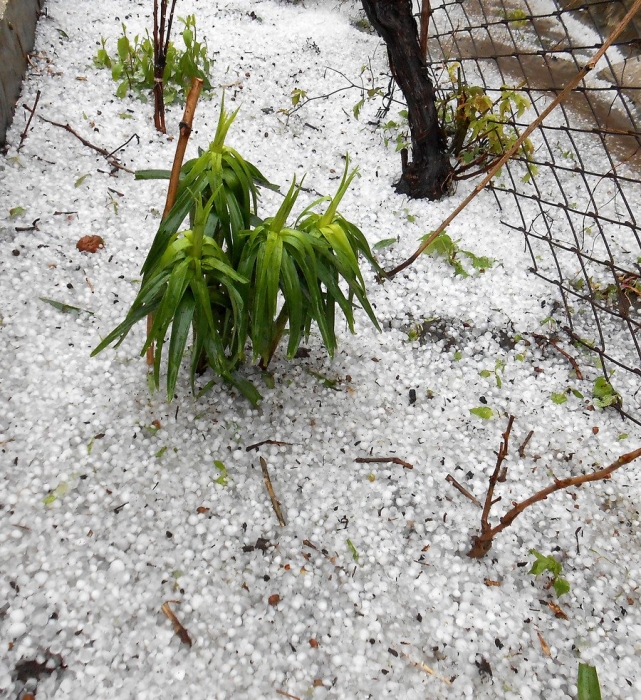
[[578, 208]]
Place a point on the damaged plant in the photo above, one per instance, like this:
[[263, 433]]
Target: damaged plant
[[233, 277], [482, 543]]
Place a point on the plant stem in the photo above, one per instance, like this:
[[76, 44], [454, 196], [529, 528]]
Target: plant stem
[[185, 133], [482, 543]]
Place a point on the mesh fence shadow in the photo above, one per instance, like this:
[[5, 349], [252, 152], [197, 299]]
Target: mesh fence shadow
[[578, 209]]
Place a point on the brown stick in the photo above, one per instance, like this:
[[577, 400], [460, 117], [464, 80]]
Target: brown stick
[[426, 12], [32, 111], [179, 630], [502, 454], [272, 494], [258, 445], [517, 144], [524, 444], [181, 147], [568, 357], [450, 479], [383, 460], [103, 151], [482, 543]]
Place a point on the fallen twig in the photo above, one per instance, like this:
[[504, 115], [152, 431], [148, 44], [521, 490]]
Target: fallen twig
[[131, 138], [449, 478], [482, 543], [102, 151], [23, 135], [265, 442], [272, 494], [382, 460], [633, 9], [179, 630], [524, 444], [568, 357]]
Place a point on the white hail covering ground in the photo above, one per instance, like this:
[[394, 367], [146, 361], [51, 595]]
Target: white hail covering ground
[[104, 518]]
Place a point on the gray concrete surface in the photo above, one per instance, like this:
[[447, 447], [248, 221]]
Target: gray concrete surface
[[18, 20]]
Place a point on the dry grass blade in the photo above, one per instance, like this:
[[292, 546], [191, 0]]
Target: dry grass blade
[[272, 494], [544, 645], [426, 668], [179, 630]]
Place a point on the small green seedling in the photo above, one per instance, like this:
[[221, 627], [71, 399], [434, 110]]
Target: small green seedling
[[133, 64], [555, 568], [604, 394], [352, 549], [15, 212], [499, 366], [222, 479]]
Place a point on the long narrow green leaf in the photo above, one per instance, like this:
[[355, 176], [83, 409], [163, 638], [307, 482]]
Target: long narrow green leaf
[[179, 334], [588, 683]]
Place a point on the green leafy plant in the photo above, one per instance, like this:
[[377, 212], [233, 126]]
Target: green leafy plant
[[554, 567], [588, 683], [132, 66], [444, 247], [233, 277], [604, 394], [480, 129]]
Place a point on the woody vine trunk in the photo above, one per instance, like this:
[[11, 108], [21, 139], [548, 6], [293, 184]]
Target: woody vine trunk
[[429, 173]]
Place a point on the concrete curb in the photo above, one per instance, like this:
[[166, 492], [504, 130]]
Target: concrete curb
[[18, 20]]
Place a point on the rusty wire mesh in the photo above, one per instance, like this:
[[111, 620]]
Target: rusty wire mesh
[[580, 211]]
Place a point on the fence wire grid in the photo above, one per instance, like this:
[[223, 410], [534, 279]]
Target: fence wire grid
[[579, 211]]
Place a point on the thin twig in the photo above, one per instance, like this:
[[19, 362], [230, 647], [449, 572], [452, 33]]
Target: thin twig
[[568, 357], [524, 444], [179, 629], [383, 460], [272, 494], [520, 140], [185, 133], [265, 442], [103, 151], [131, 138], [502, 454], [449, 478], [482, 544], [23, 135]]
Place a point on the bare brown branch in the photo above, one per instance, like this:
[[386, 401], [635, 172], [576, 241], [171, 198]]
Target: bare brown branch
[[482, 543], [32, 111], [449, 478]]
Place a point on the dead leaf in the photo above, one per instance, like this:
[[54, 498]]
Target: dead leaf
[[313, 643], [557, 610], [544, 645], [90, 244], [179, 630], [274, 599], [489, 582], [202, 509], [318, 683]]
